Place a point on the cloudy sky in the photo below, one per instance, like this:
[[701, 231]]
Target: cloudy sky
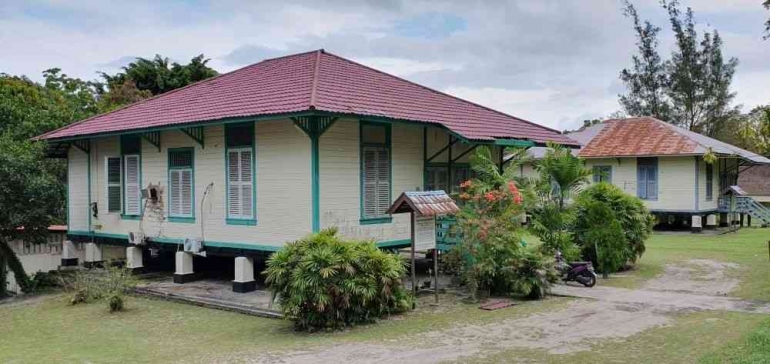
[[553, 62]]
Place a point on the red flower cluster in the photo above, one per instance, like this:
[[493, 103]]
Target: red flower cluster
[[515, 192]]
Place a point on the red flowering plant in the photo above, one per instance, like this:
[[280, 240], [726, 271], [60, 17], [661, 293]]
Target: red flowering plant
[[491, 256]]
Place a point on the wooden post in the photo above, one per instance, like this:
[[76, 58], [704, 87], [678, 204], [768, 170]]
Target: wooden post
[[435, 272], [414, 270]]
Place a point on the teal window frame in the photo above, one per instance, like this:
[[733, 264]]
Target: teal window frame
[[237, 220], [181, 218], [709, 182], [130, 145], [363, 219], [602, 173]]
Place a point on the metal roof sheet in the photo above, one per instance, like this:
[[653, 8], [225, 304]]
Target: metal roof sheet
[[312, 81], [425, 203]]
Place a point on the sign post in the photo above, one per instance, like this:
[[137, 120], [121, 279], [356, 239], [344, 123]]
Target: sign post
[[423, 207]]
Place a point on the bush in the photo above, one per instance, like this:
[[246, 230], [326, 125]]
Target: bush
[[634, 221], [110, 285], [491, 256], [552, 226], [324, 282], [609, 249]]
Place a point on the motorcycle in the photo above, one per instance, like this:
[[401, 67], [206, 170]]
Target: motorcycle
[[581, 272]]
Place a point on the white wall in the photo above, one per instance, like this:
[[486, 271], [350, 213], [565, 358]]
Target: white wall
[[77, 180], [340, 179]]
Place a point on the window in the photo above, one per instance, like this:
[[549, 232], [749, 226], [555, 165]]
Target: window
[[647, 178], [113, 184], [375, 172], [131, 148], [181, 183], [461, 174], [241, 187], [602, 174], [709, 182], [436, 178]]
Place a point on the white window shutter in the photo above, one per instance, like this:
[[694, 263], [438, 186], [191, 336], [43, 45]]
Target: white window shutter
[[240, 189], [133, 189], [370, 182], [383, 182], [175, 192], [185, 192]]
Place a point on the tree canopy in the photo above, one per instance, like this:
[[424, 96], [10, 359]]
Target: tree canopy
[[692, 88], [159, 75]]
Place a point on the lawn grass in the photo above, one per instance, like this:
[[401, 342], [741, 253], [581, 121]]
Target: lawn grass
[[154, 331], [748, 248], [753, 349]]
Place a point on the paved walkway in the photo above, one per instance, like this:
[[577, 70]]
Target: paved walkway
[[664, 300]]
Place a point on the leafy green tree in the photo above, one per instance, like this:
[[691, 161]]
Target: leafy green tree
[[561, 173], [121, 95], [646, 80], [159, 75], [753, 131], [30, 198], [698, 76], [605, 234]]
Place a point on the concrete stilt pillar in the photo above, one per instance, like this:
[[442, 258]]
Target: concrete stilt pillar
[[184, 268], [134, 258], [244, 275], [696, 225], [93, 256], [69, 256], [711, 221]]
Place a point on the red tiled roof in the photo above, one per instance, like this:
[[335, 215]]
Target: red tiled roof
[[637, 137], [311, 81]]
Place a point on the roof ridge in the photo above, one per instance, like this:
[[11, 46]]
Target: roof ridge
[[443, 93], [39, 137], [314, 84]]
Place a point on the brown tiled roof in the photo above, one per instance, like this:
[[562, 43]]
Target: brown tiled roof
[[647, 136]]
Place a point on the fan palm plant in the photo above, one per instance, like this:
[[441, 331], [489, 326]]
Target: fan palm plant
[[562, 173]]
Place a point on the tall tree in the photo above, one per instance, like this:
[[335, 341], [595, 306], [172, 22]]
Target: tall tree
[[698, 77], [753, 132], [646, 80], [767, 23], [159, 75]]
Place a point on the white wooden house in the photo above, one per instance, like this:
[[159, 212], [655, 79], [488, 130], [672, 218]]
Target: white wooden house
[[266, 154], [664, 166]]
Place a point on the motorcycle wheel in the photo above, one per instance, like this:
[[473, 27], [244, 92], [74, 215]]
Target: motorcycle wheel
[[589, 280]]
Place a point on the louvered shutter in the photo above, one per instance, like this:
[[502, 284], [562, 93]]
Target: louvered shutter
[[241, 187], [383, 181], [113, 185], [185, 192], [652, 182], [133, 189], [175, 186], [370, 182]]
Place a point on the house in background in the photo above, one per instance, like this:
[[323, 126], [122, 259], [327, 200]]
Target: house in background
[[664, 166], [249, 160], [756, 182]]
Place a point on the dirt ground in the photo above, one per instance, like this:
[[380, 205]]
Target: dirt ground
[[600, 313]]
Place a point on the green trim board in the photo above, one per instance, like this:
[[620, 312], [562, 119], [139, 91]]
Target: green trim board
[[183, 220], [314, 127], [223, 244], [363, 219], [171, 167], [253, 145]]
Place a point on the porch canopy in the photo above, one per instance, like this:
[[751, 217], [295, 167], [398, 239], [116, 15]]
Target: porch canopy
[[311, 88]]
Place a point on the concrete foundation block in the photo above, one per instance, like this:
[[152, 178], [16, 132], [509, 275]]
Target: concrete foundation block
[[93, 255], [711, 221], [244, 275], [183, 272], [696, 224], [134, 258], [69, 255]]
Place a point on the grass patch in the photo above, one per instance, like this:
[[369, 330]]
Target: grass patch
[[753, 349], [683, 342], [47, 330], [747, 247]]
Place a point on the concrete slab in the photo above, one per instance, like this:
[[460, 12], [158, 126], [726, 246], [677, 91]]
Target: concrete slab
[[212, 293]]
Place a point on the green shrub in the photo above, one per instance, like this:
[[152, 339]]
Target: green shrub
[[109, 285], [324, 282], [490, 256], [632, 217], [552, 226]]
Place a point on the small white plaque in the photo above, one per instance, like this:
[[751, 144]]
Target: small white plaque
[[424, 233]]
